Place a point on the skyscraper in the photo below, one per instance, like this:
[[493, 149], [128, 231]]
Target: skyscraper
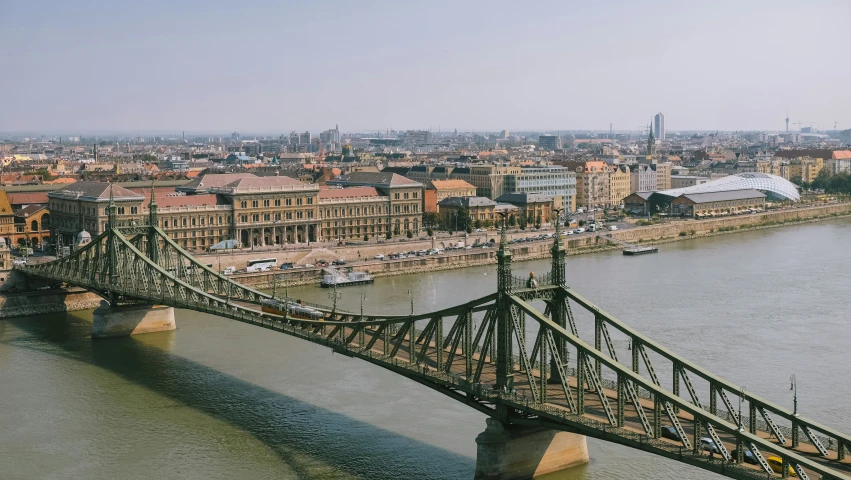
[[659, 123]]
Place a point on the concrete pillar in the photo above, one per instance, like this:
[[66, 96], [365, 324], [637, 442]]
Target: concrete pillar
[[131, 320], [510, 452]]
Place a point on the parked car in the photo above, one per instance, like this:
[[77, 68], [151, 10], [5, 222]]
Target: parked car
[[379, 257], [579, 230], [707, 445], [481, 230], [321, 263], [338, 261], [612, 228], [309, 265], [229, 270], [747, 455], [668, 431], [422, 253]]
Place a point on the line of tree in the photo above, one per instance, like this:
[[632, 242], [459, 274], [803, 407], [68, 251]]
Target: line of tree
[[839, 183]]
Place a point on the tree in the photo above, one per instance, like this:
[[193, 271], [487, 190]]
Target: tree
[[409, 234], [477, 223], [429, 232], [469, 229], [366, 238], [538, 221], [396, 230], [389, 235], [797, 180], [512, 221], [432, 220]]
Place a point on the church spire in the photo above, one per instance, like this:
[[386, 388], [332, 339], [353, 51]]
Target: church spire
[[650, 140]]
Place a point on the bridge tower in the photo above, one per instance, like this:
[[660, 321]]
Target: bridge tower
[[558, 310], [504, 366], [112, 320], [153, 244]]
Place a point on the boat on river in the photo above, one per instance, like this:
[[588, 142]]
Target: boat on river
[[341, 278]]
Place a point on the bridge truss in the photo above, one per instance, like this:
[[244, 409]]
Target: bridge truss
[[584, 372]]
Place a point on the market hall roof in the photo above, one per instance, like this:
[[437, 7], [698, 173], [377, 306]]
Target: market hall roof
[[764, 182], [710, 197]]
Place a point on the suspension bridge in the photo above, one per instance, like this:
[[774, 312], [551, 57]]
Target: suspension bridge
[[538, 357]]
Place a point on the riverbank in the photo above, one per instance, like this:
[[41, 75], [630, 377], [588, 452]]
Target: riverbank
[[44, 302]]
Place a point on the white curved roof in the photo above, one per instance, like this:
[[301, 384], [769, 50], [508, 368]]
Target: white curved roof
[[771, 184]]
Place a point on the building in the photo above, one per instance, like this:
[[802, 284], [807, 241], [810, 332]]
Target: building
[[698, 205], [683, 181], [637, 203], [642, 178], [481, 212], [437, 190], [417, 137], [406, 197], [593, 185], [271, 210], [619, 184], [7, 216], [32, 226], [549, 142], [533, 208], [553, 181], [82, 206], [663, 175], [839, 162], [775, 188], [353, 213], [659, 124]]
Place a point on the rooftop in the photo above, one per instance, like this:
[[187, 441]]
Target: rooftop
[[379, 179], [94, 191], [709, 197]]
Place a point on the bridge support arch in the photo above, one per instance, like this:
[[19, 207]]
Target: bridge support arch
[[122, 321], [513, 452]]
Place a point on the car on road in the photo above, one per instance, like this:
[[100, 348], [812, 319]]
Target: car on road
[[379, 257], [321, 263], [309, 265], [579, 230], [481, 230], [708, 445], [422, 253], [776, 464], [338, 261], [229, 270], [747, 455], [668, 431]]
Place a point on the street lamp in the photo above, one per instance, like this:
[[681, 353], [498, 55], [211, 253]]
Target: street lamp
[[411, 295], [741, 397], [794, 388]]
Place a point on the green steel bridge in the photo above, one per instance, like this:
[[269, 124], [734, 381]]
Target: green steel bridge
[[541, 356]]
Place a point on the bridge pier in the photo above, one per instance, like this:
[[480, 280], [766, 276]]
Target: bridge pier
[[131, 320], [511, 452]]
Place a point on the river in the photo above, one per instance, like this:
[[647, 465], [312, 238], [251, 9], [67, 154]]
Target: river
[[217, 399]]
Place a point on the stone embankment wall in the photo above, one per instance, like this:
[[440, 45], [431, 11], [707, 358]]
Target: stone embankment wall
[[681, 230], [47, 301]]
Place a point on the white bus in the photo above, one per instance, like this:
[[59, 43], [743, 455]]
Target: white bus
[[261, 265]]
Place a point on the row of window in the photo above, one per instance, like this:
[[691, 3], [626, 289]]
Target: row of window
[[277, 202], [194, 221], [278, 216], [406, 195]]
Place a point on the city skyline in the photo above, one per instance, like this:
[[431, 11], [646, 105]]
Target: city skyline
[[99, 67]]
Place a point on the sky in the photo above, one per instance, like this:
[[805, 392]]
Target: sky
[[275, 66]]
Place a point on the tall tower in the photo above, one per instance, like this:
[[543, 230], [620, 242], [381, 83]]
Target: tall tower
[[659, 120], [787, 121]]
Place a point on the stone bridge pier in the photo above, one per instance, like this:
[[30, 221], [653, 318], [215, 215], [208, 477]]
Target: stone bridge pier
[[511, 452], [120, 321]]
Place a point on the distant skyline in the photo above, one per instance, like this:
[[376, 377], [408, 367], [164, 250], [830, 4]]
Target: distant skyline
[[272, 67]]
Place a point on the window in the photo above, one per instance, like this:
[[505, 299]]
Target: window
[[194, 221], [289, 215], [121, 210], [134, 210], [310, 200], [267, 217], [173, 222], [406, 195], [265, 203], [254, 204], [415, 194], [243, 204], [298, 215], [184, 222], [289, 201], [277, 202], [396, 196], [298, 201], [243, 218], [255, 218]]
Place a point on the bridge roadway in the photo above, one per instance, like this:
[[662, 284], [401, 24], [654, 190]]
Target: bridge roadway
[[485, 360], [424, 369]]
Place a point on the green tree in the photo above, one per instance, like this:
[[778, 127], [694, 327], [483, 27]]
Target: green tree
[[409, 234], [389, 235], [797, 180], [429, 232], [366, 238], [512, 221], [477, 223], [396, 230]]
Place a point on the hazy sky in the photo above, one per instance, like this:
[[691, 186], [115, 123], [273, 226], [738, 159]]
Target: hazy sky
[[273, 66]]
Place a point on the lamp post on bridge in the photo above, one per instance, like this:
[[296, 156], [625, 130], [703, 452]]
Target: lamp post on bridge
[[741, 397], [794, 388]]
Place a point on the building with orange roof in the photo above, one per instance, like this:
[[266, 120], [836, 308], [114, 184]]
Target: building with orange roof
[[438, 190]]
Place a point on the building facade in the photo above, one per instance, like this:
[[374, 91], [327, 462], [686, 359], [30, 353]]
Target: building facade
[[552, 181], [659, 123], [405, 196], [663, 175], [593, 185], [642, 178], [619, 184], [438, 190]]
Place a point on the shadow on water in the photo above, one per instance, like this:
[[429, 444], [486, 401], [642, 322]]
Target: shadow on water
[[290, 427]]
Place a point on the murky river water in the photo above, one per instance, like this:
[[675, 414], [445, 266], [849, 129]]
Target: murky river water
[[218, 399]]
